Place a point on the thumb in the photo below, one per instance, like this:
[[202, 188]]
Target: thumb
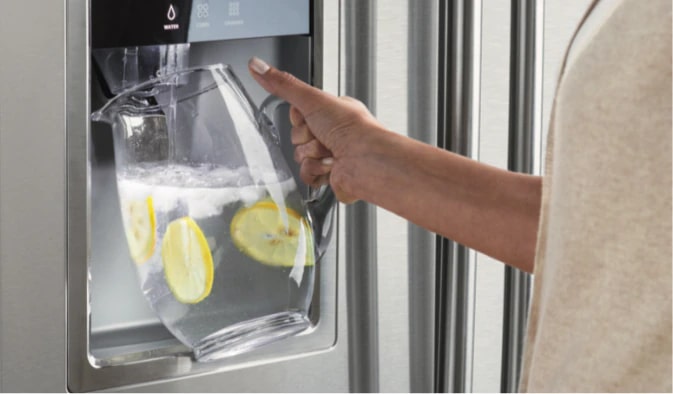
[[304, 97]]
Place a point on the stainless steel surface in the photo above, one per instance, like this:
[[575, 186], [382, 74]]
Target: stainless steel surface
[[361, 261], [317, 71], [32, 196], [458, 132], [524, 150], [422, 125], [494, 113]]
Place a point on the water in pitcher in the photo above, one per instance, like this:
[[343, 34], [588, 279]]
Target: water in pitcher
[[214, 250]]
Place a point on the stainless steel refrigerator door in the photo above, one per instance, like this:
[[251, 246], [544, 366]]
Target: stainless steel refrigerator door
[[43, 116]]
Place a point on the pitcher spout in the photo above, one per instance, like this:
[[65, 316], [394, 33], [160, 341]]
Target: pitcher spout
[[134, 101], [101, 116]]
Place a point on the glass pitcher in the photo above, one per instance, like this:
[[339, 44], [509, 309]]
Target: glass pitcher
[[224, 244]]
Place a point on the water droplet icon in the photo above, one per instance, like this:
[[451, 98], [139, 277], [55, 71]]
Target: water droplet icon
[[171, 13]]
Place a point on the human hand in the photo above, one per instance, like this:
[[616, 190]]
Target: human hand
[[328, 131]]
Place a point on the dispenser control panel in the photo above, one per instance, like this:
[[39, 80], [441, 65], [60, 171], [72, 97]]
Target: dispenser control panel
[[124, 23]]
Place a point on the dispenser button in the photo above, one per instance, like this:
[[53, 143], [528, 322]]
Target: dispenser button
[[171, 15], [202, 11], [234, 8]]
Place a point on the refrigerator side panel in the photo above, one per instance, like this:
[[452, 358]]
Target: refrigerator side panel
[[32, 196]]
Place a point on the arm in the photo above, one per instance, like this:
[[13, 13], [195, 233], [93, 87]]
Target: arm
[[483, 207], [338, 140]]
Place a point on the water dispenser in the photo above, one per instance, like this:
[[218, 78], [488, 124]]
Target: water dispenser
[[117, 336]]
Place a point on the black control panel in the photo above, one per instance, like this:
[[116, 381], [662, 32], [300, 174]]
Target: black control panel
[[124, 23]]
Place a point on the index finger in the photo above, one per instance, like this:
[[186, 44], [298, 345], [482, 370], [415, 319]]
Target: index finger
[[304, 97]]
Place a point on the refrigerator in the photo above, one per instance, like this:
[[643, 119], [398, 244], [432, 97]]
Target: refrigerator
[[397, 308]]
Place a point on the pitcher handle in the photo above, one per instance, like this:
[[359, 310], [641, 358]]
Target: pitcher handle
[[321, 201], [267, 108]]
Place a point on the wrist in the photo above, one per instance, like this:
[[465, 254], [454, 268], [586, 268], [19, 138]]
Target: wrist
[[358, 140], [358, 158]]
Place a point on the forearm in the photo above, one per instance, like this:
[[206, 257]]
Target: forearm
[[485, 208], [482, 207]]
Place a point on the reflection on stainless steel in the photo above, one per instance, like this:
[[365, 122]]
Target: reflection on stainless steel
[[458, 131], [422, 123], [360, 39], [524, 152]]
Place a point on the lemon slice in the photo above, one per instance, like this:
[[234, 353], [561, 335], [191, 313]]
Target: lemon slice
[[259, 232], [188, 264], [140, 228]]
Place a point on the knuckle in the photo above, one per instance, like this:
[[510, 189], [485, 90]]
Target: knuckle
[[340, 180], [305, 175], [301, 153], [311, 149], [323, 151], [285, 79], [312, 167], [295, 135], [296, 117], [300, 134], [354, 103], [316, 150]]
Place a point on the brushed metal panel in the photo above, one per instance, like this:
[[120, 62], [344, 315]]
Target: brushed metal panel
[[525, 132], [392, 243], [331, 47], [393, 251], [458, 125], [361, 227], [32, 196], [422, 72], [492, 150]]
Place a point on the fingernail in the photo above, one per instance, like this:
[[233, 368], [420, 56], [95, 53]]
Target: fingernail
[[328, 161], [258, 65]]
